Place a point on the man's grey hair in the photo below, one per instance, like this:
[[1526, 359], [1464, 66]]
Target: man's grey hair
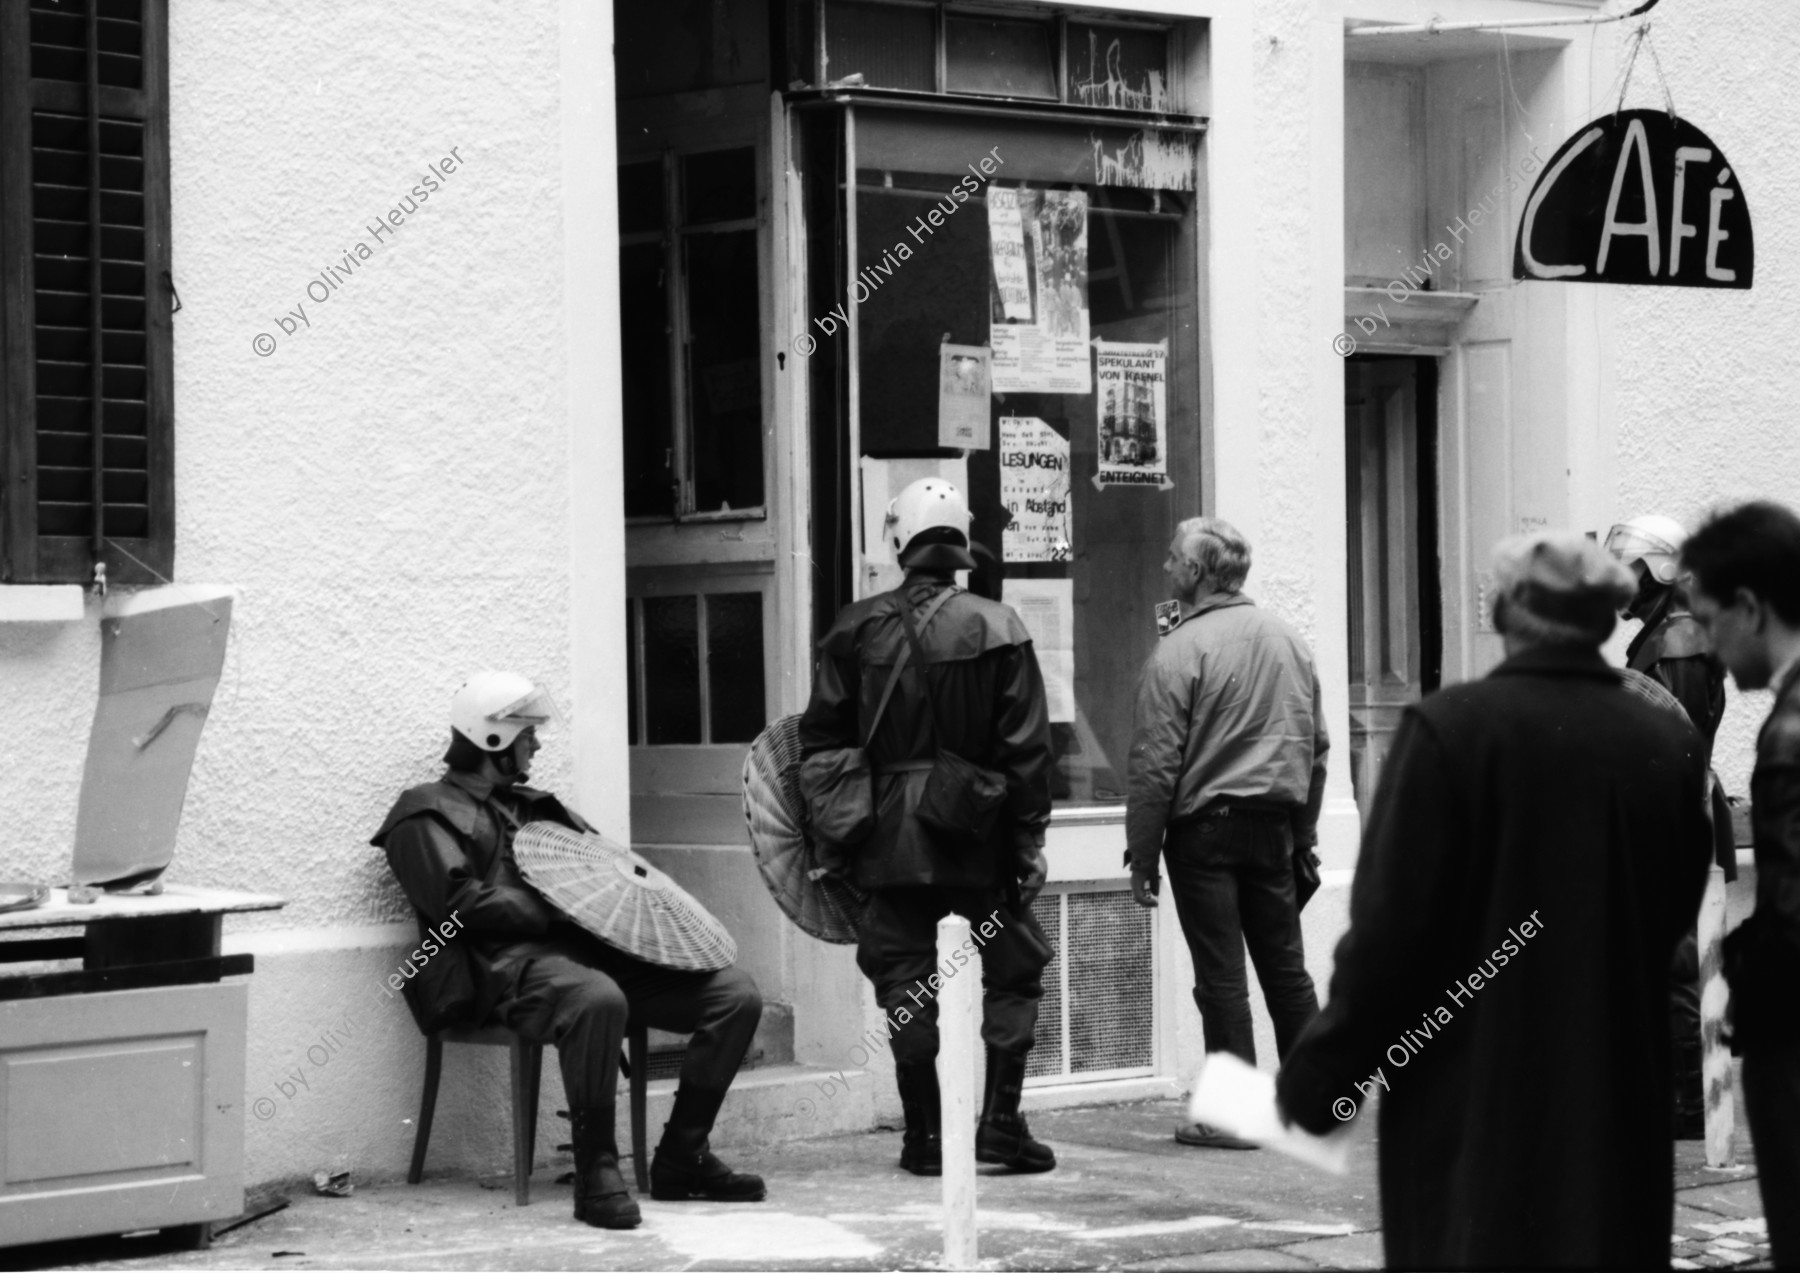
[[1558, 588], [1216, 547]]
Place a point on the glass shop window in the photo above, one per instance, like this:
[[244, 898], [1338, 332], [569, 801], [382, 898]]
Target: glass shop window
[[689, 331], [947, 49], [695, 664], [1029, 326]]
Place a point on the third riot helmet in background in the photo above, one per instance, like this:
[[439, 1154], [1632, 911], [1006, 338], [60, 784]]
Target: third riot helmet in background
[[1652, 539], [928, 526]]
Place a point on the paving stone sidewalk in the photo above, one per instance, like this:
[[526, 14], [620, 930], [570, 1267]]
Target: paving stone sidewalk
[[1125, 1196]]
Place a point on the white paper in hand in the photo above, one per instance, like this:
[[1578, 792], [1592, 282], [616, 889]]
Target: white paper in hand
[[1240, 1099]]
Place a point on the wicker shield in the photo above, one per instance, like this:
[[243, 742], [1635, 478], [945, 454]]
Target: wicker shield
[[620, 898], [827, 908]]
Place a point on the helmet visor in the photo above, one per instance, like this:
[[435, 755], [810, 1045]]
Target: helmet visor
[[1629, 544], [535, 709]]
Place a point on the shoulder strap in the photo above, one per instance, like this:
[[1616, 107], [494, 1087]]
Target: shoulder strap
[[905, 651], [912, 638]]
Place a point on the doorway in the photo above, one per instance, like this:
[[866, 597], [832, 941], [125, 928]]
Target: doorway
[[1396, 606]]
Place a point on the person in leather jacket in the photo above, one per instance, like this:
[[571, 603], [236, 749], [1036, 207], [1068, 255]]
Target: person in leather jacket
[[1745, 565], [532, 969], [975, 691], [1672, 648]]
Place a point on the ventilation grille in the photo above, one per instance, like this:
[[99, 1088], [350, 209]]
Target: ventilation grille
[[1096, 1017], [64, 244]]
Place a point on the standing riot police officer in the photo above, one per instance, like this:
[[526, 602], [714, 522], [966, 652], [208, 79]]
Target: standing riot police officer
[[970, 687], [1674, 649]]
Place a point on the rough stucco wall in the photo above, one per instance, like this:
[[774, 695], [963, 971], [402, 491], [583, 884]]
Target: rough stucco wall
[[1705, 379], [388, 488], [1282, 544]]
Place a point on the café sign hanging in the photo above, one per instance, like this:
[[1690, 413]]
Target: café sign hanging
[[1639, 196]]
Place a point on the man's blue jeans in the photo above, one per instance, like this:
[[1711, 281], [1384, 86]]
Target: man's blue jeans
[[1232, 879]]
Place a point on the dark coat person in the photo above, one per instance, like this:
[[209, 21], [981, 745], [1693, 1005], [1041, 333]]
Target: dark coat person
[[1536, 848], [1745, 565], [518, 961], [973, 689]]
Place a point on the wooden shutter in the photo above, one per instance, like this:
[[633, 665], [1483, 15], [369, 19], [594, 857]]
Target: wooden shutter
[[86, 392]]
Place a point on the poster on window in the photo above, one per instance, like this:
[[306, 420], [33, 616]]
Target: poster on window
[[1048, 351], [963, 397], [1047, 607], [1006, 244], [1034, 488], [1131, 410]]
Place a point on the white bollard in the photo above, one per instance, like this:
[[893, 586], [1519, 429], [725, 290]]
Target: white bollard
[[1721, 1106], [958, 1027]]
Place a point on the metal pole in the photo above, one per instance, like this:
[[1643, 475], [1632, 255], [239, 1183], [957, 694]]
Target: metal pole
[[957, 1027], [1715, 1068]]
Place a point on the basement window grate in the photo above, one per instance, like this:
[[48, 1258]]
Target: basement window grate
[[1096, 1019]]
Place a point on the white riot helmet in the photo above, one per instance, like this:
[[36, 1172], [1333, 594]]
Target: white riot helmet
[[929, 504], [1654, 540], [494, 708]]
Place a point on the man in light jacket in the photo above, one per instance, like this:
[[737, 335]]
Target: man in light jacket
[[1227, 777]]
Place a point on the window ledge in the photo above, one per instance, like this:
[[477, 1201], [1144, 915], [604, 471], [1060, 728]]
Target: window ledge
[[40, 603]]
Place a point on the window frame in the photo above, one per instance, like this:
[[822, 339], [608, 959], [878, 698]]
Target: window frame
[[26, 556], [673, 237], [652, 582], [1057, 20]]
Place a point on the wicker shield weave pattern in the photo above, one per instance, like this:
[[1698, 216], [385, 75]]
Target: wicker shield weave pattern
[[622, 899]]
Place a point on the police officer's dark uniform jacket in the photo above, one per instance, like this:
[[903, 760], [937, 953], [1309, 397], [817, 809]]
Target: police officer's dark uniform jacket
[[537, 972], [988, 695]]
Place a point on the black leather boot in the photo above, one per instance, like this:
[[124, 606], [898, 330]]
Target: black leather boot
[[684, 1167], [1003, 1136], [601, 1198], [922, 1149]]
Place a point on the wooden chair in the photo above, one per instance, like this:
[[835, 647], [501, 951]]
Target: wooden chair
[[527, 1070]]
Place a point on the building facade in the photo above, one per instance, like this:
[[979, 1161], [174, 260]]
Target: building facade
[[620, 401]]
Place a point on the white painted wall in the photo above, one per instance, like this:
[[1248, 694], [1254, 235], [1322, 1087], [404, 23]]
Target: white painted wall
[[1704, 406], [391, 490]]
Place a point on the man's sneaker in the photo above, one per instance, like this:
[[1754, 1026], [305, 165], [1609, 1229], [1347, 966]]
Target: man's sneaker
[[1210, 1137]]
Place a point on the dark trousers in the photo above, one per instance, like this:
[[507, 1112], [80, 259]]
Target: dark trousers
[[1772, 1101], [1684, 1027], [1233, 883], [580, 997], [897, 951]]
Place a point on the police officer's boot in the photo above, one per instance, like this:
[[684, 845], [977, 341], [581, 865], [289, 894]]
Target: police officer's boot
[[922, 1150], [1003, 1136], [684, 1167], [601, 1198]]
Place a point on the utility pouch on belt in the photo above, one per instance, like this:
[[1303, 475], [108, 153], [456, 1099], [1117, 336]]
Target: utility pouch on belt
[[961, 801], [838, 784]]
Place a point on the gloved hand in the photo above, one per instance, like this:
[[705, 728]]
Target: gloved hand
[[1034, 867], [1144, 886]]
